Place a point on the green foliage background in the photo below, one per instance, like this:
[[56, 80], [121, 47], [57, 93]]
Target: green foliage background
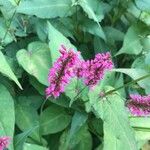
[[31, 32]]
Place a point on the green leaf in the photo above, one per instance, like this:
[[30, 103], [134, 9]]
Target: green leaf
[[82, 140], [131, 43], [7, 114], [143, 5], [36, 61], [5, 39], [93, 28], [78, 120], [6, 70], [117, 131], [21, 138], [140, 122], [135, 74], [141, 127], [95, 12], [53, 120], [7, 8], [93, 9], [46, 8], [113, 34], [28, 146], [27, 117], [56, 39]]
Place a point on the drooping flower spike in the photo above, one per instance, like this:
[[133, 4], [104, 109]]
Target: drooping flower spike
[[4, 142], [92, 71], [62, 71], [139, 105]]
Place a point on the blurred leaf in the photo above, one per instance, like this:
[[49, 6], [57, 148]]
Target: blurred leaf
[[56, 39], [132, 43], [135, 74], [78, 120], [6, 70], [36, 61], [28, 146], [143, 5], [27, 117], [93, 9], [113, 34], [5, 39], [7, 8], [7, 114], [46, 8], [53, 120], [21, 138], [93, 28], [81, 140]]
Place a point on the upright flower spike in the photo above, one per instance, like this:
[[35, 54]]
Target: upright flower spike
[[62, 71], [139, 105], [92, 71], [4, 142]]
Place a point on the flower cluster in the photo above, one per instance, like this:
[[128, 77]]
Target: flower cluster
[[92, 71], [62, 71], [69, 65], [139, 105], [4, 142]]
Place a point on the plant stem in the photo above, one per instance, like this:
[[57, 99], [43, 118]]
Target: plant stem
[[127, 84]]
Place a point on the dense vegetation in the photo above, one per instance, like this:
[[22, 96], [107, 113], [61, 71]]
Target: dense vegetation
[[81, 118]]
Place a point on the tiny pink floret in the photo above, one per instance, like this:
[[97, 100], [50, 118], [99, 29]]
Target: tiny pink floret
[[4, 142]]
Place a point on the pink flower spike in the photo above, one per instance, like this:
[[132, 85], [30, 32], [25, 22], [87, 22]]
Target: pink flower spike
[[62, 71], [4, 142], [92, 71], [139, 105]]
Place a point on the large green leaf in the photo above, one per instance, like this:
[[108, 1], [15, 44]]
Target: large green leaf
[[6, 70], [7, 114], [53, 120], [56, 39], [131, 43], [112, 111], [36, 61], [46, 8], [27, 117]]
